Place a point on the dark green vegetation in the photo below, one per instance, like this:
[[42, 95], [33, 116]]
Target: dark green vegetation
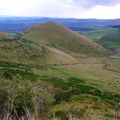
[[50, 72], [75, 87], [12, 70]]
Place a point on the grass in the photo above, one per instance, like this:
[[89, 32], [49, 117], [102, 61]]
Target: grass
[[114, 64], [90, 108], [22, 52], [89, 69], [90, 86], [17, 71], [5, 36], [76, 83], [83, 84], [110, 44]]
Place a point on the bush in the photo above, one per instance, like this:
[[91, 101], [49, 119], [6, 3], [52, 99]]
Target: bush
[[19, 98], [61, 114]]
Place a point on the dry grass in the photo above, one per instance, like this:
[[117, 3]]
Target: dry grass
[[59, 57], [5, 36], [88, 110]]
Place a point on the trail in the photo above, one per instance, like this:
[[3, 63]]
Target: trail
[[106, 65]]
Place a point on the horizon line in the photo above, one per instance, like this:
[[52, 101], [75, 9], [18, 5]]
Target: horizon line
[[10, 16]]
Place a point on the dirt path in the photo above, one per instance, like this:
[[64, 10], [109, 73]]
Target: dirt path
[[106, 65]]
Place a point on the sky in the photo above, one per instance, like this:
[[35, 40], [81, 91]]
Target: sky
[[99, 9]]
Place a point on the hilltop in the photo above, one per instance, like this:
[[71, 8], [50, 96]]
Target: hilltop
[[58, 36]]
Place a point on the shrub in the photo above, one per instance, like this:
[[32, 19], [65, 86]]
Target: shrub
[[61, 114], [24, 98]]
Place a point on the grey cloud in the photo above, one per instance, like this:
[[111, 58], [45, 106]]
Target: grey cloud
[[90, 3]]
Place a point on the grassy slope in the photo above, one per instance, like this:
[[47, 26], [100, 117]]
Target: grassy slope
[[81, 79], [89, 75], [58, 56], [22, 52], [91, 70], [26, 52], [114, 64], [56, 35]]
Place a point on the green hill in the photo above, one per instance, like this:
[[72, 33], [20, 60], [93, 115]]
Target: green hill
[[58, 36], [48, 43]]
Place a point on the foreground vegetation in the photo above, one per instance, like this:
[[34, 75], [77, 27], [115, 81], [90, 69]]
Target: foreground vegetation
[[54, 98], [21, 99]]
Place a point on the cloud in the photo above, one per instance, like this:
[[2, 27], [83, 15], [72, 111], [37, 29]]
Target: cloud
[[91, 3], [61, 8], [103, 12]]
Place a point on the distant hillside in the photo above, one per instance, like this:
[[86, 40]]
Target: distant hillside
[[111, 40], [19, 24], [58, 36]]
